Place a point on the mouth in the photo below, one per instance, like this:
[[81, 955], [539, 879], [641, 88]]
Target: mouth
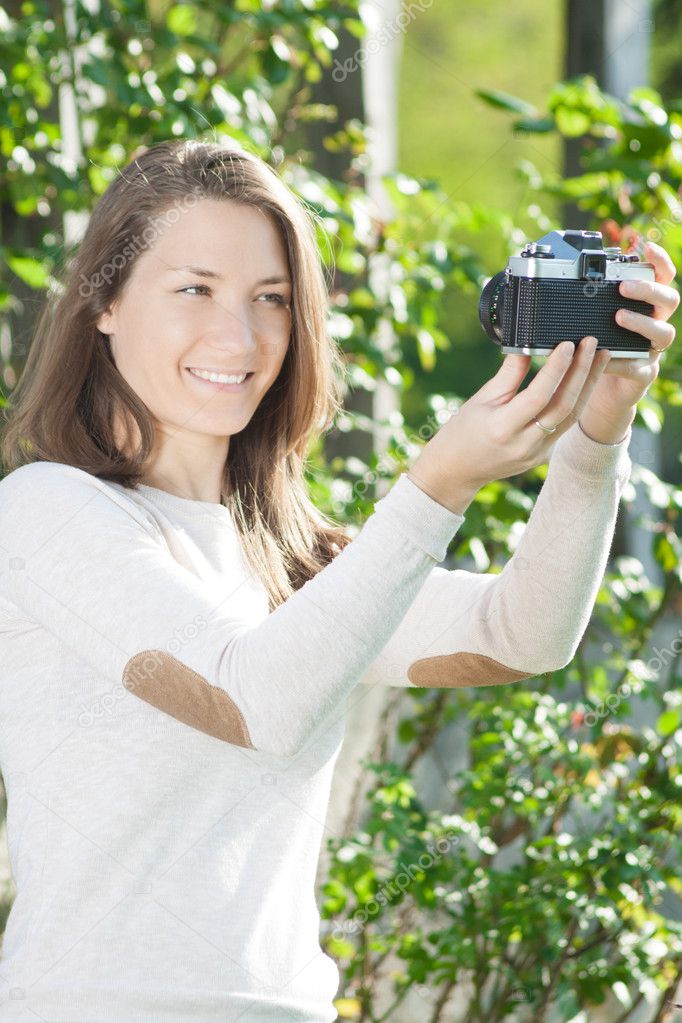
[[216, 385]]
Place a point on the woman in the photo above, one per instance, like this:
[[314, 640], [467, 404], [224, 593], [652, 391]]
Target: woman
[[182, 627]]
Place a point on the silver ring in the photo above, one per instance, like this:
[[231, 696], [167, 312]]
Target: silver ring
[[547, 429]]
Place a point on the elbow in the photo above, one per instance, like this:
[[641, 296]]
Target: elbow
[[559, 665], [284, 750], [467, 668], [545, 653], [548, 666], [563, 653], [282, 744]]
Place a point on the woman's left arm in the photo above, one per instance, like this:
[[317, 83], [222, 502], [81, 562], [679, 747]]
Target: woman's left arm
[[471, 629]]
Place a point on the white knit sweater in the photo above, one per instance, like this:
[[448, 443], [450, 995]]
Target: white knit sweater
[[167, 745]]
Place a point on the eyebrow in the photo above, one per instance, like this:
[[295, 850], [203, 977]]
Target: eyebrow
[[212, 275]]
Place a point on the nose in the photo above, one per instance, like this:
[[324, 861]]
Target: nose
[[232, 332]]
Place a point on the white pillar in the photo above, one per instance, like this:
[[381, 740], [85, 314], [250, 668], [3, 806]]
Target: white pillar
[[380, 87], [628, 29], [382, 47], [627, 34], [74, 221]]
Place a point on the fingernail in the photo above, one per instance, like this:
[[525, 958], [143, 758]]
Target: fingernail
[[567, 348]]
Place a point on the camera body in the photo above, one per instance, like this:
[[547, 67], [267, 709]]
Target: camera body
[[564, 287]]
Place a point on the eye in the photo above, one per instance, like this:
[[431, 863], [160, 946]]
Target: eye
[[278, 299], [189, 287]]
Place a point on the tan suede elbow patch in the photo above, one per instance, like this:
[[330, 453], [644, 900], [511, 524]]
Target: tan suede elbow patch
[[169, 685], [462, 669]]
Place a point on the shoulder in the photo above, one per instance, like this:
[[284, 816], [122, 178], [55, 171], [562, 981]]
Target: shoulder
[[36, 473], [53, 489]]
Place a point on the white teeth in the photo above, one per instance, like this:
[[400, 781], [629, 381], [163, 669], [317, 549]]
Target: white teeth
[[218, 378]]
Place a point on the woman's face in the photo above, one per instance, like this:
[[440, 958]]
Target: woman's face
[[170, 318]]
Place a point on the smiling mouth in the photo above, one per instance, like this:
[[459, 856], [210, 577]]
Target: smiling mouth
[[220, 386], [200, 375]]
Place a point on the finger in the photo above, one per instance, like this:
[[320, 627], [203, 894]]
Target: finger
[[662, 297], [664, 268], [530, 402], [635, 369], [555, 414], [508, 378], [568, 393], [659, 332]]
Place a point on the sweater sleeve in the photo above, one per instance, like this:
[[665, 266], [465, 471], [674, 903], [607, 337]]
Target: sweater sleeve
[[89, 565], [471, 629]]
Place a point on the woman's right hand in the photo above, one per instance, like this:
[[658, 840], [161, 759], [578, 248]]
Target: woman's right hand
[[493, 434]]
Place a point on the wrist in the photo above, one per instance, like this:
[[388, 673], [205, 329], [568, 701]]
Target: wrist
[[607, 430], [456, 500]]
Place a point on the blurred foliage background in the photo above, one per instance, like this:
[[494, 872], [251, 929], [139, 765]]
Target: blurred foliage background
[[552, 876]]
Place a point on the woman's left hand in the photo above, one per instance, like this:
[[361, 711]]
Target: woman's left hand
[[612, 405]]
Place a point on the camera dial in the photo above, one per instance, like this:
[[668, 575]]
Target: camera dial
[[538, 251]]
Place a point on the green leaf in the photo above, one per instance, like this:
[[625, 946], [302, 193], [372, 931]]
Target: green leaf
[[25, 207], [340, 948], [505, 101], [669, 721], [535, 124], [275, 68], [182, 19], [31, 271], [572, 122], [426, 347], [407, 731], [668, 552]]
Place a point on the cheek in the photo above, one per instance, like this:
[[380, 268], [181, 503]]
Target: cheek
[[274, 367], [275, 352], [152, 367], [142, 335]]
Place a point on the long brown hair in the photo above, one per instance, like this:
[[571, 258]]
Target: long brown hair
[[71, 398]]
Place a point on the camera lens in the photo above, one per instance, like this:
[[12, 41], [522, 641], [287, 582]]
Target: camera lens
[[491, 307]]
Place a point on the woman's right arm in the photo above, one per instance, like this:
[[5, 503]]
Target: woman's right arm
[[90, 566]]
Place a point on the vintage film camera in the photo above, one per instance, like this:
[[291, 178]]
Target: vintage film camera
[[562, 288]]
